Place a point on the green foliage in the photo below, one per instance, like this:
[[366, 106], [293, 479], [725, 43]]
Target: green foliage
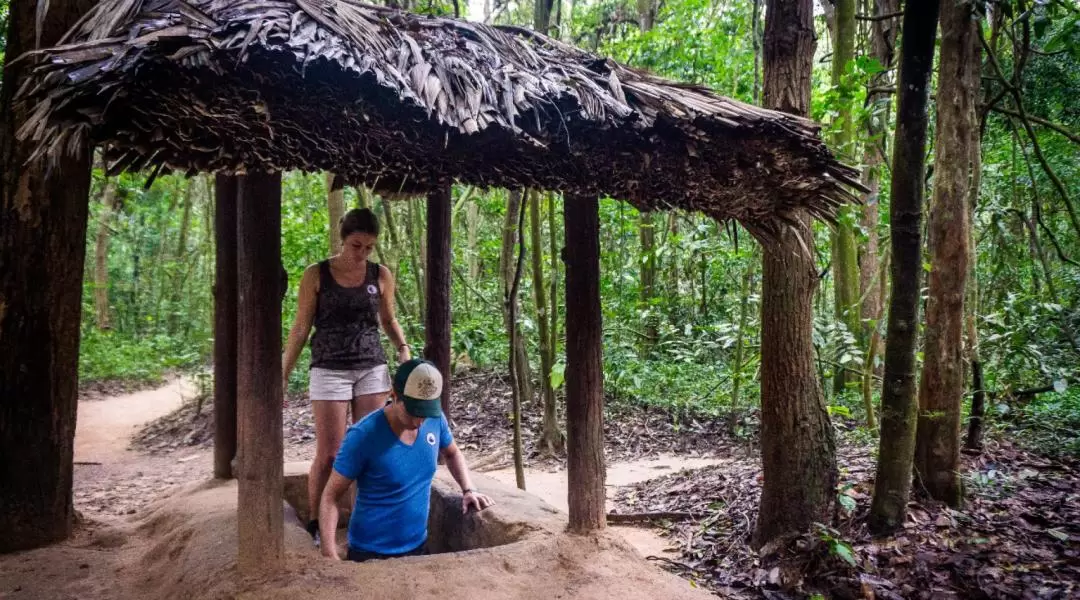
[[1049, 423], [1029, 285]]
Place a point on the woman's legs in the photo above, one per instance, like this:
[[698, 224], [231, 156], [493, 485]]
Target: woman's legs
[[365, 404], [370, 391], [329, 431]]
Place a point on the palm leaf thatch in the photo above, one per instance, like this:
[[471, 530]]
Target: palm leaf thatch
[[404, 102]]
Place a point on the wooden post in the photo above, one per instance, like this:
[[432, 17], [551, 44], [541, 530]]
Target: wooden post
[[225, 192], [584, 365], [260, 463], [437, 315], [43, 216]]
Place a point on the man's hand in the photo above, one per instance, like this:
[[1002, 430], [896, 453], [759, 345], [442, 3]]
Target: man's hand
[[480, 501]]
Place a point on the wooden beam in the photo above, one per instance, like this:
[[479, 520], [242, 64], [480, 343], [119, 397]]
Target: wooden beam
[[225, 192], [584, 365], [260, 522], [437, 315]]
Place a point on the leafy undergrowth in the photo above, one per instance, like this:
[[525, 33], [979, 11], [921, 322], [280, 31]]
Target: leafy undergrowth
[[1018, 535], [119, 361]]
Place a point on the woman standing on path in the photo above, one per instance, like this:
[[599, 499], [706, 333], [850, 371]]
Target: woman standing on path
[[346, 297]]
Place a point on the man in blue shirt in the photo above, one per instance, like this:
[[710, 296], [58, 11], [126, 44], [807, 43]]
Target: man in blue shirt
[[392, 455]]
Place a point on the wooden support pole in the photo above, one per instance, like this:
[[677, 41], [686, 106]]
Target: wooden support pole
[[437, 315], [584, 365], [260, 523], [225, 191]]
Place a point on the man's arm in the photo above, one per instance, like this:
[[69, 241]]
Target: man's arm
[[455, 462], [328, 513]]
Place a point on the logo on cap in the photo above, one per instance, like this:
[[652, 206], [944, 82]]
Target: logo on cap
[[427, 387]]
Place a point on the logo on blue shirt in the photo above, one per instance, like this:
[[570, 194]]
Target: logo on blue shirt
[[431, 438]]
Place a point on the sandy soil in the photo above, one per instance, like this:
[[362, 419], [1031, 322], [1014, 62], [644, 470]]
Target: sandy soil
[[146, 530], [551, 486]]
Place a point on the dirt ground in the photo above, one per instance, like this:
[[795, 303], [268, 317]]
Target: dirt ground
[[151, 526]]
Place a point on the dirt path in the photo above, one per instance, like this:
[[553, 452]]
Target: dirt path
[[113, 480], [110, 479], [552, 487], [104, 427]]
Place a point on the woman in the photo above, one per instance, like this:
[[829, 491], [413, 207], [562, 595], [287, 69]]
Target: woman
[[346, 298]]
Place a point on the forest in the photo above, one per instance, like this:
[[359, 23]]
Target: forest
[[988, 269], [681, 293]]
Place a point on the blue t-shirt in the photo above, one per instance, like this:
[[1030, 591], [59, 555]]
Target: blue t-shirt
[[393, 482]]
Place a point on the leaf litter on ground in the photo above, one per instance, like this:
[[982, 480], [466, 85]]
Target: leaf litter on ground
[[1017, 535]]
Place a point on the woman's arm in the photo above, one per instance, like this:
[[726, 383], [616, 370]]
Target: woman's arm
[[388, 316], [305, 316]]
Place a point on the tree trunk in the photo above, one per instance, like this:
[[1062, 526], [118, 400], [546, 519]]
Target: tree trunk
[[845, 252], [584, 365], [515, 335], [42, 257], [797, 447], [553, 232], [414, 255], [883, 48], [519, 358], [260, 525], [671, 266], [101, 256], [971, 304], [647, 262], [941, 388], [646, 224], [225, 325], [892, 484], [551, 438], [472, 223], [542, 15], [335, 206], [437, 315], [740, 335]]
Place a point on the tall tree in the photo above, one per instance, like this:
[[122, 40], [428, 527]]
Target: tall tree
[[43, 209], [551, 437], [941, 388], [883, 35], [335, 207], [646, 220], [101, 255], [844, 250], [892, 485], [519, 357], [797, 447]]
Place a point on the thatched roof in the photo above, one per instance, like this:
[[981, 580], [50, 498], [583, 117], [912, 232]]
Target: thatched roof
[[405, 102]]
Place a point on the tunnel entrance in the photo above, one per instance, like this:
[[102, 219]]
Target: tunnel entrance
[[448, 529]]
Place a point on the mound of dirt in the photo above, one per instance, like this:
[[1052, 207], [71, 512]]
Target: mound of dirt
[[1018, 535], [185, 547]]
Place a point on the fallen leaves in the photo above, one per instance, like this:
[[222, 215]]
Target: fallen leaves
[[1016, 536]]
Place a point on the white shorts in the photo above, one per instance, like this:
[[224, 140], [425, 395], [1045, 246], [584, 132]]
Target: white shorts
[[341, 385]]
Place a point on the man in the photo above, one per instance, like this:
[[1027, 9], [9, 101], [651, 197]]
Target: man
[[392, 455]]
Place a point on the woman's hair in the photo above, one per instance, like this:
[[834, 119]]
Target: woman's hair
[[359, 220]]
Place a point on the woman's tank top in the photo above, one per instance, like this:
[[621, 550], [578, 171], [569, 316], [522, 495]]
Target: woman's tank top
[[347, 322]]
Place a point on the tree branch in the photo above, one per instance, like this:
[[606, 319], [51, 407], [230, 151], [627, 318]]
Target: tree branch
[[884, 17], [1022, 115], [1075, 138]]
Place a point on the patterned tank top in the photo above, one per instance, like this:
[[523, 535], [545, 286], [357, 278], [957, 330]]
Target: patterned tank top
[[347, 322]]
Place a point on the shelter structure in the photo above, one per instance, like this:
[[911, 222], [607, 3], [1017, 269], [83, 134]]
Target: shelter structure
[[406, 104]]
